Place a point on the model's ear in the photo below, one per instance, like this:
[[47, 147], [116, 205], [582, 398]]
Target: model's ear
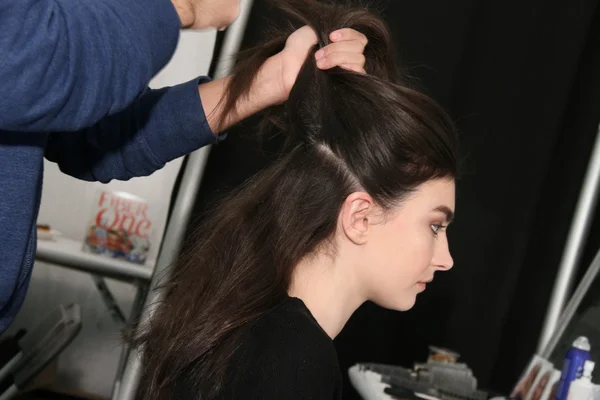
[[355, 218]]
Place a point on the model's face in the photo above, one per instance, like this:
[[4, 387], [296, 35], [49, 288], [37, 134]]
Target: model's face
[[402, 248], [217, 13]]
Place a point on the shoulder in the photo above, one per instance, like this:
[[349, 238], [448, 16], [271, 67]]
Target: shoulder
[[286, 354], [289, 329]]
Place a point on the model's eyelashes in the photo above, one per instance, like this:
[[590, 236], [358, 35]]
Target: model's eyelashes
[[437, 228]]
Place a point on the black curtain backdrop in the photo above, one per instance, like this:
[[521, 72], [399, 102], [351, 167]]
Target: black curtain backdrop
[[522, 80]]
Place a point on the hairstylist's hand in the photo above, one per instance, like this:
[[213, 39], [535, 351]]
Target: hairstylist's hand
[[277, 75], [346, 51], [203, 14]]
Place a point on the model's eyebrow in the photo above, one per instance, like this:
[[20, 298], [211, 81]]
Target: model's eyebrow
[[447, 211]]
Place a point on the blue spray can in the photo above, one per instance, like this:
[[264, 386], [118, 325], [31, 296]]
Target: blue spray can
[[576, 357]]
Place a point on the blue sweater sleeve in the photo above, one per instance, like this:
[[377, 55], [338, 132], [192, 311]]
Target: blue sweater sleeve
[[157, 127], [66, 64]]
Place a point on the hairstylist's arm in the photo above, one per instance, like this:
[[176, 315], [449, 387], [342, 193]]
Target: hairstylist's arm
[[159, 126], [66, 64], [277, 76], [165, 124]]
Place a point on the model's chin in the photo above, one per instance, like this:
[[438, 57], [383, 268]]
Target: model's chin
[[403, 304], [408, 305]]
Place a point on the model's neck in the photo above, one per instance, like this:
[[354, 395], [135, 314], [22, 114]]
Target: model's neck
[[328, 290]]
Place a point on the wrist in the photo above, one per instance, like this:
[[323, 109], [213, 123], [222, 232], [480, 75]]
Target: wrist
[[267, 89]]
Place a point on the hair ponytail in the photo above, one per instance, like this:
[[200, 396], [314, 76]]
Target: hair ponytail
[[346, 132], [323, 18]]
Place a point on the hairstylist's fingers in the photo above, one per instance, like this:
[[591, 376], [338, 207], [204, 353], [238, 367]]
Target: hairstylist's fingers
[[354, 67], [353, 46], [338, 59], [348, 34]]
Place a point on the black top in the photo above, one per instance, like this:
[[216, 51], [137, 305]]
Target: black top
[[285, 355]]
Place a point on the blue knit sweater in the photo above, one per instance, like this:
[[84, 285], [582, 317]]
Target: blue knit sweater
[[73, 89]]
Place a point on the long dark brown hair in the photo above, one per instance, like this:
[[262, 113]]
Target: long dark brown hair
[[345, 132]]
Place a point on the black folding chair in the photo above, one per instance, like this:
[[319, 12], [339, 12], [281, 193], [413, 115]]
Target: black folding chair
[[25, 355]]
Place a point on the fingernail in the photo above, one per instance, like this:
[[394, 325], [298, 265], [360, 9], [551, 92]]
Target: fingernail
[[321, 63], [319, 54], [336, 35]]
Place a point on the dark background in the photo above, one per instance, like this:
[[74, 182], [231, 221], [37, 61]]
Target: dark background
[[522, 80]]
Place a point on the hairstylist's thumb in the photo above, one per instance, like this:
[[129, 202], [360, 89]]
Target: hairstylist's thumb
[[301, 41], [185, 10], [291, 58], [205, 14]]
